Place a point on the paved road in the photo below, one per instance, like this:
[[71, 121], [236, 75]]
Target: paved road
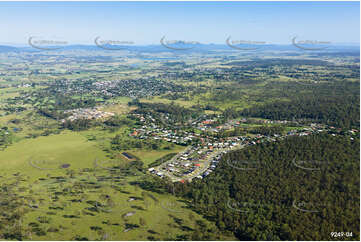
[[158, 168], [205, 164]]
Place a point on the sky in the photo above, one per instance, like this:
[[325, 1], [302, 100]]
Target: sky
[[205, 22]]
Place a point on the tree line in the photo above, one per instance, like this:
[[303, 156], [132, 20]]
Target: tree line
[[300, 188]]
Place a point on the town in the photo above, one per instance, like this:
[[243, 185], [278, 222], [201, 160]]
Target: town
[[204, 149]]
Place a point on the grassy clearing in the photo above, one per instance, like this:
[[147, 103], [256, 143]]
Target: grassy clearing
[[68, 219], [117, 108], [158, 99], [149, 156], [150, 211], [68, 146]]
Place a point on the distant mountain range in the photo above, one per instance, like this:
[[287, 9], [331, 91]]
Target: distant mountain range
[[161, 48], [5, 48]]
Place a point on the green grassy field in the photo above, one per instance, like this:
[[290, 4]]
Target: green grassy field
[[149, 156], [68, 146], [85, 200]]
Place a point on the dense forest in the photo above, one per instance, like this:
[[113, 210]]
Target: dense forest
[[279, 190], [340, 111], [332, 103]]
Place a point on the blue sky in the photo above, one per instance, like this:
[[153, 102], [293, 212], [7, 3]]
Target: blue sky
[[205, 22]]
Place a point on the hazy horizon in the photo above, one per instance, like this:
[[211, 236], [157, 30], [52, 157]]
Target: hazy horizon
[[145, 23]]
